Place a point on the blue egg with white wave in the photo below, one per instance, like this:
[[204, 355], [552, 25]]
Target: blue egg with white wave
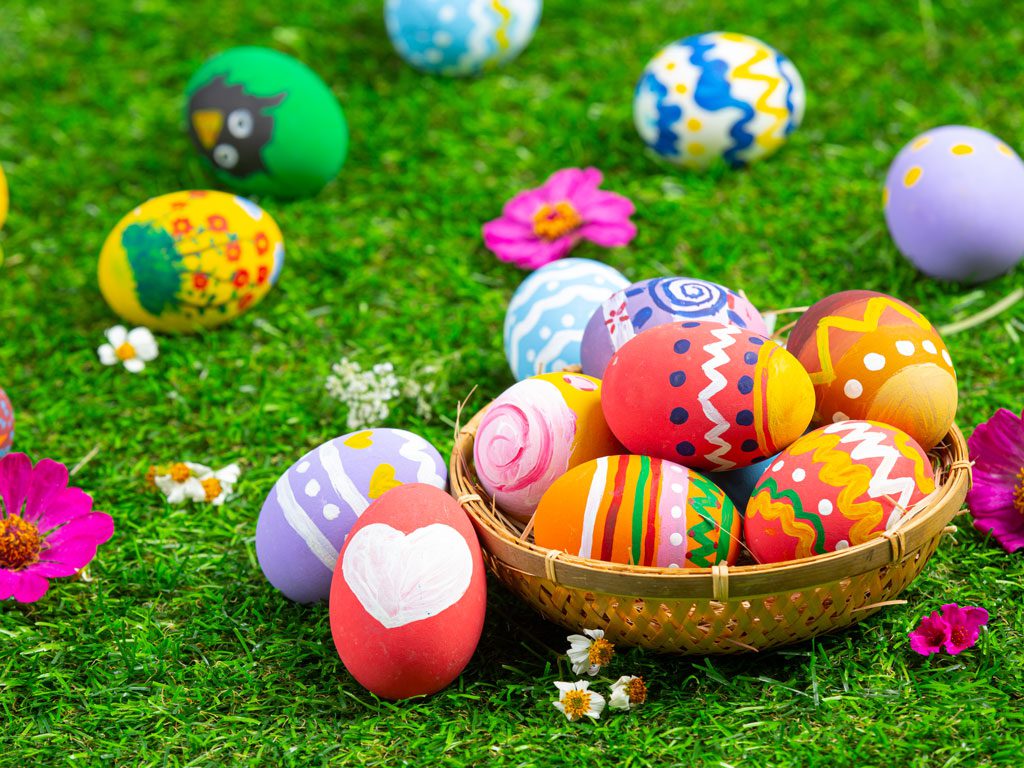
[[718, 96], [549, 311], [460, 37]]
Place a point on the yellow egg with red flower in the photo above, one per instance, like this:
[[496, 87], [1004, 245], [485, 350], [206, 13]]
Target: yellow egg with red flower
[[190, 260]]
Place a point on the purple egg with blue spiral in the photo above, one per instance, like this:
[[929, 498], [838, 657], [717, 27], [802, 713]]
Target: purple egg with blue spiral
[[658, 301], [954, 204]]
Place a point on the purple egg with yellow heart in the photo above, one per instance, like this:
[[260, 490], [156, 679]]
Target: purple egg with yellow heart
[[313, 506]]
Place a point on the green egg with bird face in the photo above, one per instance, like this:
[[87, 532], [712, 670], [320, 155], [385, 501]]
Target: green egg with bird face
[[266, 123]]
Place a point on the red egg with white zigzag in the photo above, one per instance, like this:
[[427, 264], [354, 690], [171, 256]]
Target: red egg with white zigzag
[[834, 488], [706, 395]]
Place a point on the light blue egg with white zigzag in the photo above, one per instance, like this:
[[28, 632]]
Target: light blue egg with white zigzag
[[549, 311], [460, 37], [718, 95]]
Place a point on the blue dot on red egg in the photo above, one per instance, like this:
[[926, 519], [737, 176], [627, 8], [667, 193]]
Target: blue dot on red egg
[[685, 448], [745, 418], [682, 346], [750, 358], [756, 340], [679, 416], [745, 385], [749, 445], [677, 378], [691, 324]]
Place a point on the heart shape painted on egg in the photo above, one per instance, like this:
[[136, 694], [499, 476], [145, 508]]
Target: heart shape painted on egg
[[400, 578], [382, 481], [360, 440]]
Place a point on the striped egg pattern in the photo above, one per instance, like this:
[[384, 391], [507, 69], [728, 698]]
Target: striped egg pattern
[[313, 506], [640, 511], [549, 311]]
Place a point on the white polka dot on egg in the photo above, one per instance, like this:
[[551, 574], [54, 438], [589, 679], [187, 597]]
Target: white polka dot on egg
[[799, 475], [842, 544], [677, 488], [568, 320], [545, 332], [312, 488], [825, 507], [676, 539], [853, 389], [947, 358], [929, 346], [677, 512], [874, 361], [905, 348]]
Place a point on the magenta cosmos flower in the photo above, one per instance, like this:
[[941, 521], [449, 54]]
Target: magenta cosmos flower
[[47, 529], [541, 225], [954, 630], [996, 499]]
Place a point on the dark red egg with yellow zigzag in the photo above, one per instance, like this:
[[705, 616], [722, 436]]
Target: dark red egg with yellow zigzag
[[834, 488], [641, 511]]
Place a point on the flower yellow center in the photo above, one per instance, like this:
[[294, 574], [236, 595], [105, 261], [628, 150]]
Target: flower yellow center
[[637, 690], [601, 652], [125, 352], [554, 221], [576, 703], [212, 487], [180, 472], [958, 635], [1018, 492], [20, 543]]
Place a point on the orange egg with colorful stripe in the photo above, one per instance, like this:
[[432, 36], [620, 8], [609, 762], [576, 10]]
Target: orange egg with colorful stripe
[[871, 356], [640, 511]]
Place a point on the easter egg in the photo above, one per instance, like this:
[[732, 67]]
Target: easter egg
[[314, 504], [6, 423], [662, 300], [836, 487], [460, 37], [409, 594], [190, 260], [545, 320], [954, 204], [706, 395], [266, 123], [871, 356], [4, 199], [718, 95], [738, 484], [533, 432], [640, 511]]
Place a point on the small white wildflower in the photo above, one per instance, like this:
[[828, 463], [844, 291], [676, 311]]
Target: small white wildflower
[[134, 348], [188, 481], [575, 701], [366, 393], [628, 692], [589, 652]]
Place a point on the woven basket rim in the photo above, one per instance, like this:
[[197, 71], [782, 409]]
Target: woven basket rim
[[718, 582]]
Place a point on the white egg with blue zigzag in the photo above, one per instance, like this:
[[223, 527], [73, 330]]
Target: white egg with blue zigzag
[[545, 320], [460, 37], [718, 95]]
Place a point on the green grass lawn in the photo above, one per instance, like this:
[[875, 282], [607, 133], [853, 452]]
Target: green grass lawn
[[178, 652]]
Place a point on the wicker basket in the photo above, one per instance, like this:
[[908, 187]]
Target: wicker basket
[[720, 609]]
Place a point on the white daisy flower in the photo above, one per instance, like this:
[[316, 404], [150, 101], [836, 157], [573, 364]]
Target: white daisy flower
[[134, 348], [589, 652], [179, 484], [628, 692], [575, 701], [217, 486]]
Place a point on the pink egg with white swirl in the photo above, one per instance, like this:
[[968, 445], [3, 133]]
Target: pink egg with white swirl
[[535, 432]]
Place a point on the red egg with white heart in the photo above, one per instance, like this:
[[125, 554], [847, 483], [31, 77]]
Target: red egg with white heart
[[409, 593]]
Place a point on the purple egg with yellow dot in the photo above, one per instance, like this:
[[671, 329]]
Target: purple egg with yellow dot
[[954, 204]]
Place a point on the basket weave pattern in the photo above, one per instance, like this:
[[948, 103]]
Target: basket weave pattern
[[721, 609]]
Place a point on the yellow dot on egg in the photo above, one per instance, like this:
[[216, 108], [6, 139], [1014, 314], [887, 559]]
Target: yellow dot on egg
[[670, 65], [680, 88], [885, 196], [693, 124], [921, 143], [1004, 149], [912, 176], [962, 149], [695, 148]]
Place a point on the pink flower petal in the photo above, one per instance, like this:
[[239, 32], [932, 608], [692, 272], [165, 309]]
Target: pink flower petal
[[73, 503], [49, 480], [15, 480], [30, 587], [608, 235], [930, 635], [524, 206], [58, 570], [506, 231], [607, 207], [8, 581], [96, 527], [76, 553], [566, 183]]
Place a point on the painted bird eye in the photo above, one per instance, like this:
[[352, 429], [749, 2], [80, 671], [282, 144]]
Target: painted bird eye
[[240, 123], [225, 156]]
